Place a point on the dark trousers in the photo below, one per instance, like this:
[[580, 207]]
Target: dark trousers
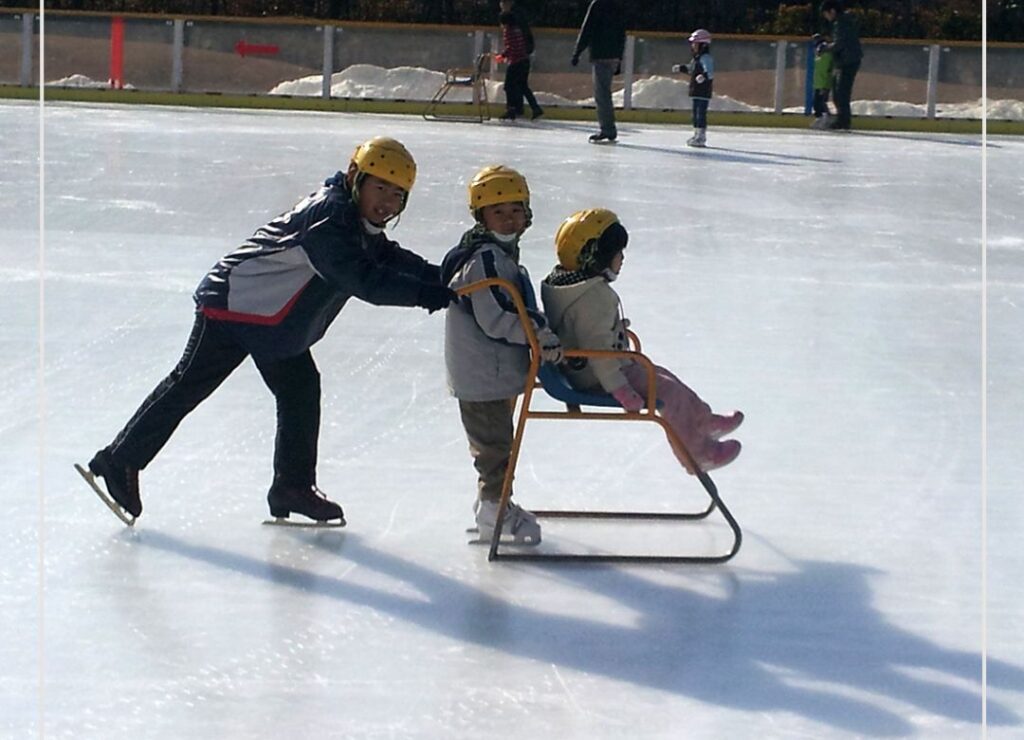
[[517, 86], [820, 105], [700, 112], [210, 356], [843, 91]]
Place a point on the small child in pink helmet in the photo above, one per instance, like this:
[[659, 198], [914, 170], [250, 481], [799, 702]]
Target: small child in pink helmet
[[585, 312], [702, 76]]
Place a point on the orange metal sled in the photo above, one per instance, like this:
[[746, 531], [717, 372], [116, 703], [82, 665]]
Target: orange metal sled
[[474, 78], [554, 383]]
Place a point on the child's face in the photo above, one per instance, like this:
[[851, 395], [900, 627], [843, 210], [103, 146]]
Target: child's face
[[616, 264], [504, 218], [694, 47], [379, 200]]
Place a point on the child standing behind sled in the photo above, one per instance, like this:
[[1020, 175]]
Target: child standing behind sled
[[702, 75], [486, 350], [584, 310]]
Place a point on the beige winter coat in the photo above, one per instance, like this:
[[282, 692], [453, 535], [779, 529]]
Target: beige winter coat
[[586, 315]]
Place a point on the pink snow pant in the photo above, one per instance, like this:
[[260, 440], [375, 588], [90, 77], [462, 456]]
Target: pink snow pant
[[683, 409]]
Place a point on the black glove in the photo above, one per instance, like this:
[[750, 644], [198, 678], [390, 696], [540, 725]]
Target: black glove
[[434, 297], [575, 59]]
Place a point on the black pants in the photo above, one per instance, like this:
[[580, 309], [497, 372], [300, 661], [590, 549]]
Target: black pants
[[517, 86], [210, 356], [821, 102], [843, 91]]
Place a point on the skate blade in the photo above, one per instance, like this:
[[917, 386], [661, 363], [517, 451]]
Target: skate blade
[[506, 539], [104, 496], [282, 522]]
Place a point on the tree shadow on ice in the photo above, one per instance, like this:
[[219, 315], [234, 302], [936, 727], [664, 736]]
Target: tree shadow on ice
[[807, 642]]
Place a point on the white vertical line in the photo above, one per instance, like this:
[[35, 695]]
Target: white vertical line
[[41, 395], [984, 370]]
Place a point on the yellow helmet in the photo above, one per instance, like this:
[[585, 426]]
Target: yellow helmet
[[387, 159], [577, 239], [498, 184]]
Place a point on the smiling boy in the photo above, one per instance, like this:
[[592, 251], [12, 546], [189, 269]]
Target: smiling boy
[[272, 298]]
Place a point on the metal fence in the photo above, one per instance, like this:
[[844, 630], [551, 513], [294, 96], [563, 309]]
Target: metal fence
[[255, 56]]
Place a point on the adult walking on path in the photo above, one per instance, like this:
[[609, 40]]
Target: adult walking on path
[[604, 33]]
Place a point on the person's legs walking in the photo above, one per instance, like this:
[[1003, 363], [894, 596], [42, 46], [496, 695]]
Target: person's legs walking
[[843, 93], [531, 99], [603, 72]]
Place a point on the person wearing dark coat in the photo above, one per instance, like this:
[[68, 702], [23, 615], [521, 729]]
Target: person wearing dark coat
[[846, 58], [604, 33]]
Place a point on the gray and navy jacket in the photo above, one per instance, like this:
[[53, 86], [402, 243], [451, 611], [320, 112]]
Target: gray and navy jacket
[[486, 351], [279, 291]]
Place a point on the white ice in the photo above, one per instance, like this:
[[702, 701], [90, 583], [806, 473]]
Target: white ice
[[828, 285]]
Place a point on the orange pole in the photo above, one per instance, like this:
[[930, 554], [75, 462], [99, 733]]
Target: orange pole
[[117, 53]]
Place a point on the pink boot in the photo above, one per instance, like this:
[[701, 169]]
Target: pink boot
[[719, 454], [718, 426]]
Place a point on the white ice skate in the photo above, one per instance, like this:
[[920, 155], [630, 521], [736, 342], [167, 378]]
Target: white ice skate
[[699, 138], [519, 524]]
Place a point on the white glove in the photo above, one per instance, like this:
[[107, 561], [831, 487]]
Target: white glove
[[550, 347], [677, 68], [700, 79]]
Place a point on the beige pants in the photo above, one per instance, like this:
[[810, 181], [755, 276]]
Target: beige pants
[[488, 426]]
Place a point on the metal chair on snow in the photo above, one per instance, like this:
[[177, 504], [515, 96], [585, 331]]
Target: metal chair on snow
[[474, 78], [556, 385]]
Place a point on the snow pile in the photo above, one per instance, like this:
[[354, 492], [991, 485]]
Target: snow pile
[[371, 81], [77, 80], [668, 93], [368, 81]]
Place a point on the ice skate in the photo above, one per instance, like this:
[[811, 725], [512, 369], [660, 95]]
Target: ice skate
[[601, 138], [519, 523], [718, 426], [720, 455], [823, 122], [699, 138], [309, 502], [120, 490]]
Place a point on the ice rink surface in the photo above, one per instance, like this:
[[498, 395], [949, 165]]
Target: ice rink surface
[[830, 286]]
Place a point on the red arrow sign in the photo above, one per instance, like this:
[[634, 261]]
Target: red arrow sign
[[243, 48]]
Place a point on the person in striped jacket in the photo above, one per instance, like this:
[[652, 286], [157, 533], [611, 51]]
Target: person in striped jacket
[[518, 42]]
